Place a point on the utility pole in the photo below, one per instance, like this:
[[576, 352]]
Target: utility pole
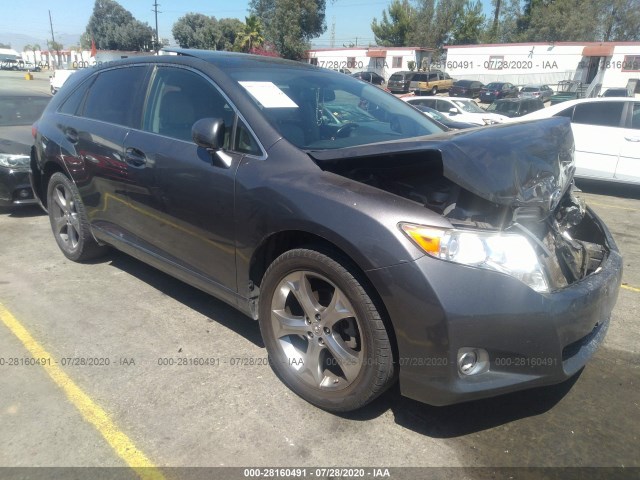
[[155, 10], [53, 39]]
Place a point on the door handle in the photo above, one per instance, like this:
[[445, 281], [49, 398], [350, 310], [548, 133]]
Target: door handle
[[71, 134], [632, 139], [135, 157]]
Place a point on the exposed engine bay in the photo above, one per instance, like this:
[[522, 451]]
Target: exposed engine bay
[[569, 243]]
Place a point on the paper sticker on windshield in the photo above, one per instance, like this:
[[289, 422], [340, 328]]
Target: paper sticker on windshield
[[269, 95]]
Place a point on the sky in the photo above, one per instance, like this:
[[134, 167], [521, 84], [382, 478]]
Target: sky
[[352, 18]]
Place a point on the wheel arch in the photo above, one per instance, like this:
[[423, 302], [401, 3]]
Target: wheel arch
[[278, 243], [42, 177]]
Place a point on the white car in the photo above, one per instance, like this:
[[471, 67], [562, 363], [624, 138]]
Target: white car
[[58, 78], [606, 132], [458, 109]]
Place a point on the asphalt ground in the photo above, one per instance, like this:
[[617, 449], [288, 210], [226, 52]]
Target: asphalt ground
[[135, 409]]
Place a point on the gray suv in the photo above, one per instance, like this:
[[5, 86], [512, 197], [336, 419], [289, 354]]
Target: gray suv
[[370, 245]]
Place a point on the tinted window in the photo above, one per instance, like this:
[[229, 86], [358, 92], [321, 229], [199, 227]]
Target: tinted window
[[443, 106], [567, 112], [635, 116], [181, 97], [463, 83], [114, 94], [73, 103], [607, 114], [245, 142]]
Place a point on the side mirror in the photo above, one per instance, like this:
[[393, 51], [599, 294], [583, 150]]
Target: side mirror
[[453, 111], [208, 133]]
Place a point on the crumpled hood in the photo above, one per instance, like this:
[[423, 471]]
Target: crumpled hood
[[514, 164]]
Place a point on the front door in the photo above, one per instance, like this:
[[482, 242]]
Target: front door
[[183, 200]]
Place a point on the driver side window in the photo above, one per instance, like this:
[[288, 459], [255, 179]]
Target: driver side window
[[178, 99]]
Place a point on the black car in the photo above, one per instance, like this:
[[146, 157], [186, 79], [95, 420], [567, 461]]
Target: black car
[[399, 82], [497, 90], [466, 88], [371, 77], [369, 244], [515, 107], [616, 92], [17, 114]]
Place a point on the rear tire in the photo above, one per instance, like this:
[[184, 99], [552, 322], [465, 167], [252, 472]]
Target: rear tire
[[434, 91], [324, 335], [69, 220]]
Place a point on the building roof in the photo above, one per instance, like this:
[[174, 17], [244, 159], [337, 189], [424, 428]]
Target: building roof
[[362, 47], [559, 44]]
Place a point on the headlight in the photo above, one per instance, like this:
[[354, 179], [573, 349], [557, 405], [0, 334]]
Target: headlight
[[511, 254], [14, 161]]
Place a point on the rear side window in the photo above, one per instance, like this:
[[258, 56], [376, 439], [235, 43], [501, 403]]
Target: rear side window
[[73, 103], [606, 114], [114, 95], [635, 116]]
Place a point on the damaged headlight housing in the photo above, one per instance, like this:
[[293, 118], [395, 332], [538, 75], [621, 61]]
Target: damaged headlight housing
[[14, 161], [511, 254]]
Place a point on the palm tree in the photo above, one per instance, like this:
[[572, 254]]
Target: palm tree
[[251, 37], [33, 48]]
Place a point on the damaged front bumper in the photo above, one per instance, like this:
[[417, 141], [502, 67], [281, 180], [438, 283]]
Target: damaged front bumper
[[440, 309]]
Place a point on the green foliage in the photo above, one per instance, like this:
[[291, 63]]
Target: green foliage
[[55, 46], [31, 48], [434, 22], [114, 28], [289, 25], [411, 65], [251, 36], [469, 26], [5, 45], [195, 30], [394, 28]]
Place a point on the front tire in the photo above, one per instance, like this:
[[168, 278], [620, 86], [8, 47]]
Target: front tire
[[434, 91], [69, 220], [325, 337]]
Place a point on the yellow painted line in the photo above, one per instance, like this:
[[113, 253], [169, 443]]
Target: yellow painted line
[[91, 412], [608, 205], [633, 289]]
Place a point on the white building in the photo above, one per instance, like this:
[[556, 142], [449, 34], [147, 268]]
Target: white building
[[597, 66], [382, 60]]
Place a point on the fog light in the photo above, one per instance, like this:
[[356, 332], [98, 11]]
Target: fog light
[[472, 361], [467, 361], [24, 193]]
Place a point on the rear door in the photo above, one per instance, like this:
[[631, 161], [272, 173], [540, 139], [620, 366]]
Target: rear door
[[94, 122], [628, 168], [183, 197], [598, 135]]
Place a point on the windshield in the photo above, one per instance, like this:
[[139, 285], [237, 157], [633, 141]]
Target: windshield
[[319, 109], [531, 89], [21, 110], [468, 106], [494, 86]]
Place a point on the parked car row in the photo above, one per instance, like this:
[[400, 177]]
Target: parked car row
[[458, 109]]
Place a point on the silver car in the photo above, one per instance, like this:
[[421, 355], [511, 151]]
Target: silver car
[[543, 92]]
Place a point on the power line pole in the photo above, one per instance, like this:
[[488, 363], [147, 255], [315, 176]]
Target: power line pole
[[155, 10], [53, 39]]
